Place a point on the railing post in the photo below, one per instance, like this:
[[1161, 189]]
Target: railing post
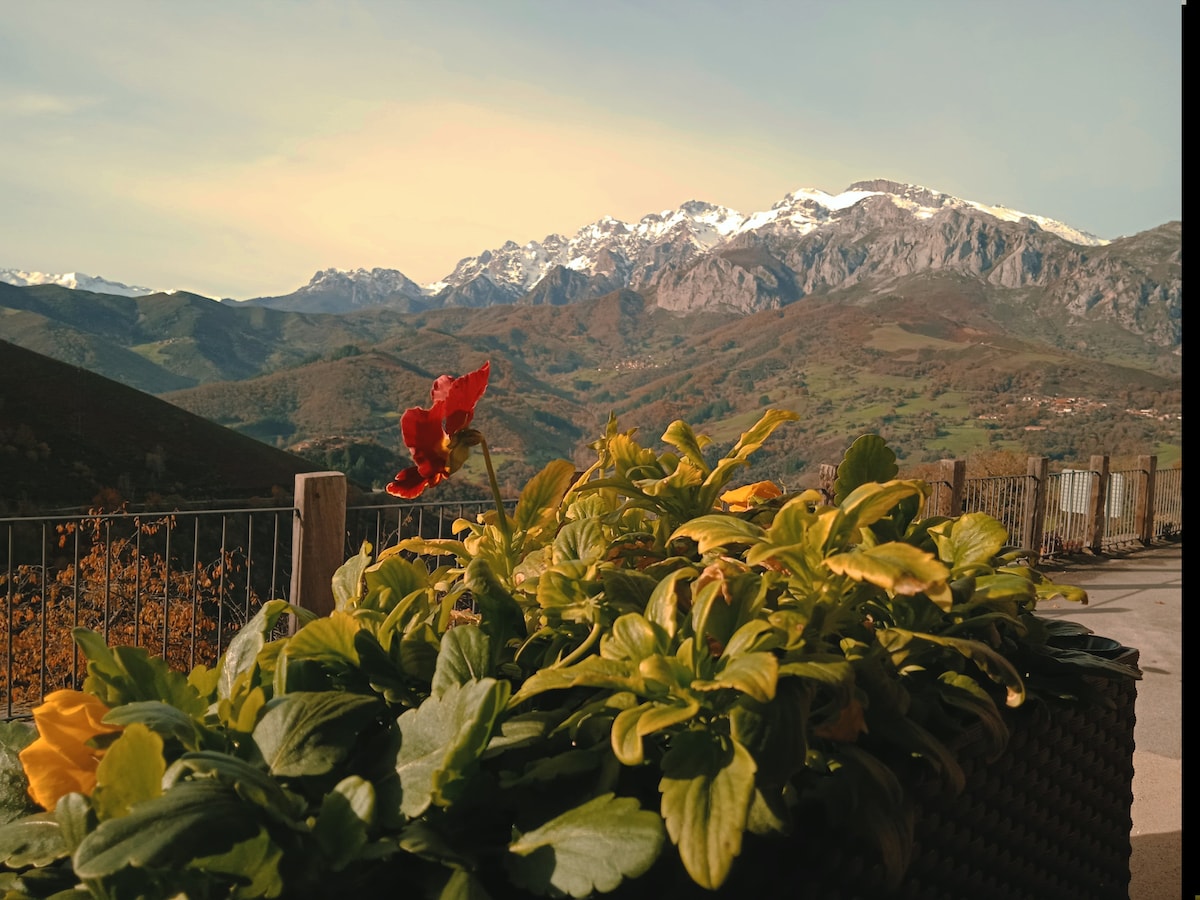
[[318, 539], [1143, 510], [1097, 512], [954, 474], [1034, 514]]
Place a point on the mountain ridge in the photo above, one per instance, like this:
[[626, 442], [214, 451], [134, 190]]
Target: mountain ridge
[[702, 217]]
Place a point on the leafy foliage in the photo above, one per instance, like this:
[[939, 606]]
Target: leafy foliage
[[644, 679]]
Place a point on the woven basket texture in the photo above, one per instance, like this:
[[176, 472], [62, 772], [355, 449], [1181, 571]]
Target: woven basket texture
[[1050, 819]]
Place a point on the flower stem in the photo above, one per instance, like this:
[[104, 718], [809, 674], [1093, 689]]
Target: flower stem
[[502, 516], [581, 650]]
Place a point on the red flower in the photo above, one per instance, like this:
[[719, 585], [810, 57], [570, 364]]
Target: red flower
[[438, 438]]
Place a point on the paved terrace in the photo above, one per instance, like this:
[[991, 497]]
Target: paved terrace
[[1137, 599]]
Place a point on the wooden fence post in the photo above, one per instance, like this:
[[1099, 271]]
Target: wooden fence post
[[1034, 513], [954, 474], [1143, 511], [318, 539], [1098, 511]]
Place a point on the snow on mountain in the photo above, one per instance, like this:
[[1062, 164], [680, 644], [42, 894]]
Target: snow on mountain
[[75, 281], [635, 254], [696, 228]]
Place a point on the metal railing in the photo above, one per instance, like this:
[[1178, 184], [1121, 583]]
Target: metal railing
[[179, 584], [386, 523]]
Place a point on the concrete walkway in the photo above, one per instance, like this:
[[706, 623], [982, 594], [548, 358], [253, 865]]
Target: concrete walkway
[[1137, 599]]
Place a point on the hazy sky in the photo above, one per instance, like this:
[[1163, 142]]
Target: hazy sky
[[235, 148]]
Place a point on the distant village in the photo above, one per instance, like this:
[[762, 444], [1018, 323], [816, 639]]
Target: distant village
[[1069, 406]]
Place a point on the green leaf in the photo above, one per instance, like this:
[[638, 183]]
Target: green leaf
[[870, 502], [309, 732], [587, 849], [591, 671], [34, 840], [462, 885], [443, 738], [123, 674], [633, 724], [964, 692], [250, 782], [973, 538], [159, 717], [990, 662], [347, 581], [194, 818], [720, 530], [663, 608], [347, 813], [632, 638], [754, 674], [465, 656], [582, 539], [254, 863], [15, 736], [244, 648], [679, 434], [707, 788], [391, 580], [328, 641], [748, 443], [130, 772], [502, 619], [900, 568], [868, 459], [75, 818], [537, 507]]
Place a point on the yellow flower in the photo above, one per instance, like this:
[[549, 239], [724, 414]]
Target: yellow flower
[[60, 761], [741, 499]]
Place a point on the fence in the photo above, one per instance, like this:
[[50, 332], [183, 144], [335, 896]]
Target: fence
[[181, 583]]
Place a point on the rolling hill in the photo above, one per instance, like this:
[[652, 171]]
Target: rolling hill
[[71, 438]]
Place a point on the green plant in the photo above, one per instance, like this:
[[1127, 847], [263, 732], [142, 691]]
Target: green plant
[[636, 672]]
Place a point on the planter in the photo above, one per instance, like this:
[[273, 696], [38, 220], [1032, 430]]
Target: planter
[[1050, 818], [1091, 643]]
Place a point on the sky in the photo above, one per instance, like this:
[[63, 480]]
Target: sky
[[234, 149]]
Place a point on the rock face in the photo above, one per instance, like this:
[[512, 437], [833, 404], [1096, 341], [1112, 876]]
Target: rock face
[[706, 257]]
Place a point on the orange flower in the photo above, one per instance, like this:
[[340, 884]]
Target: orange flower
[[60, 761], [438, 438], [741, 499]]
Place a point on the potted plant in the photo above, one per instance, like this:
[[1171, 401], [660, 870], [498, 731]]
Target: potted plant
[[641, 680]]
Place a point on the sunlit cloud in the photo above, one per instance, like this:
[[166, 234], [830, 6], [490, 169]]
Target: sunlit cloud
[[37, 103]]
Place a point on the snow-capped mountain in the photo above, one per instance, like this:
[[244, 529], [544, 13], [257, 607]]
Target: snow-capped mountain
[[611, 254], [75, 281], [703, 256]]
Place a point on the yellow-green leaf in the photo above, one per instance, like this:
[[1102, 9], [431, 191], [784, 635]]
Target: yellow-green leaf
[[130, 771], [541, 496], [719, 531], [897, 567], [707, 788], [588, 849], [973, 538]]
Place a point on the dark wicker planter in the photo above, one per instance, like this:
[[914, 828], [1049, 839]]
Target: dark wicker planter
[[1049, 819]]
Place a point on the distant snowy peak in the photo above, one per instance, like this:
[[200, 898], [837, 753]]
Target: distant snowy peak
[[598, 247], [808, 208], [75, 281], [697, 227], [924, 203], [375, 281]]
